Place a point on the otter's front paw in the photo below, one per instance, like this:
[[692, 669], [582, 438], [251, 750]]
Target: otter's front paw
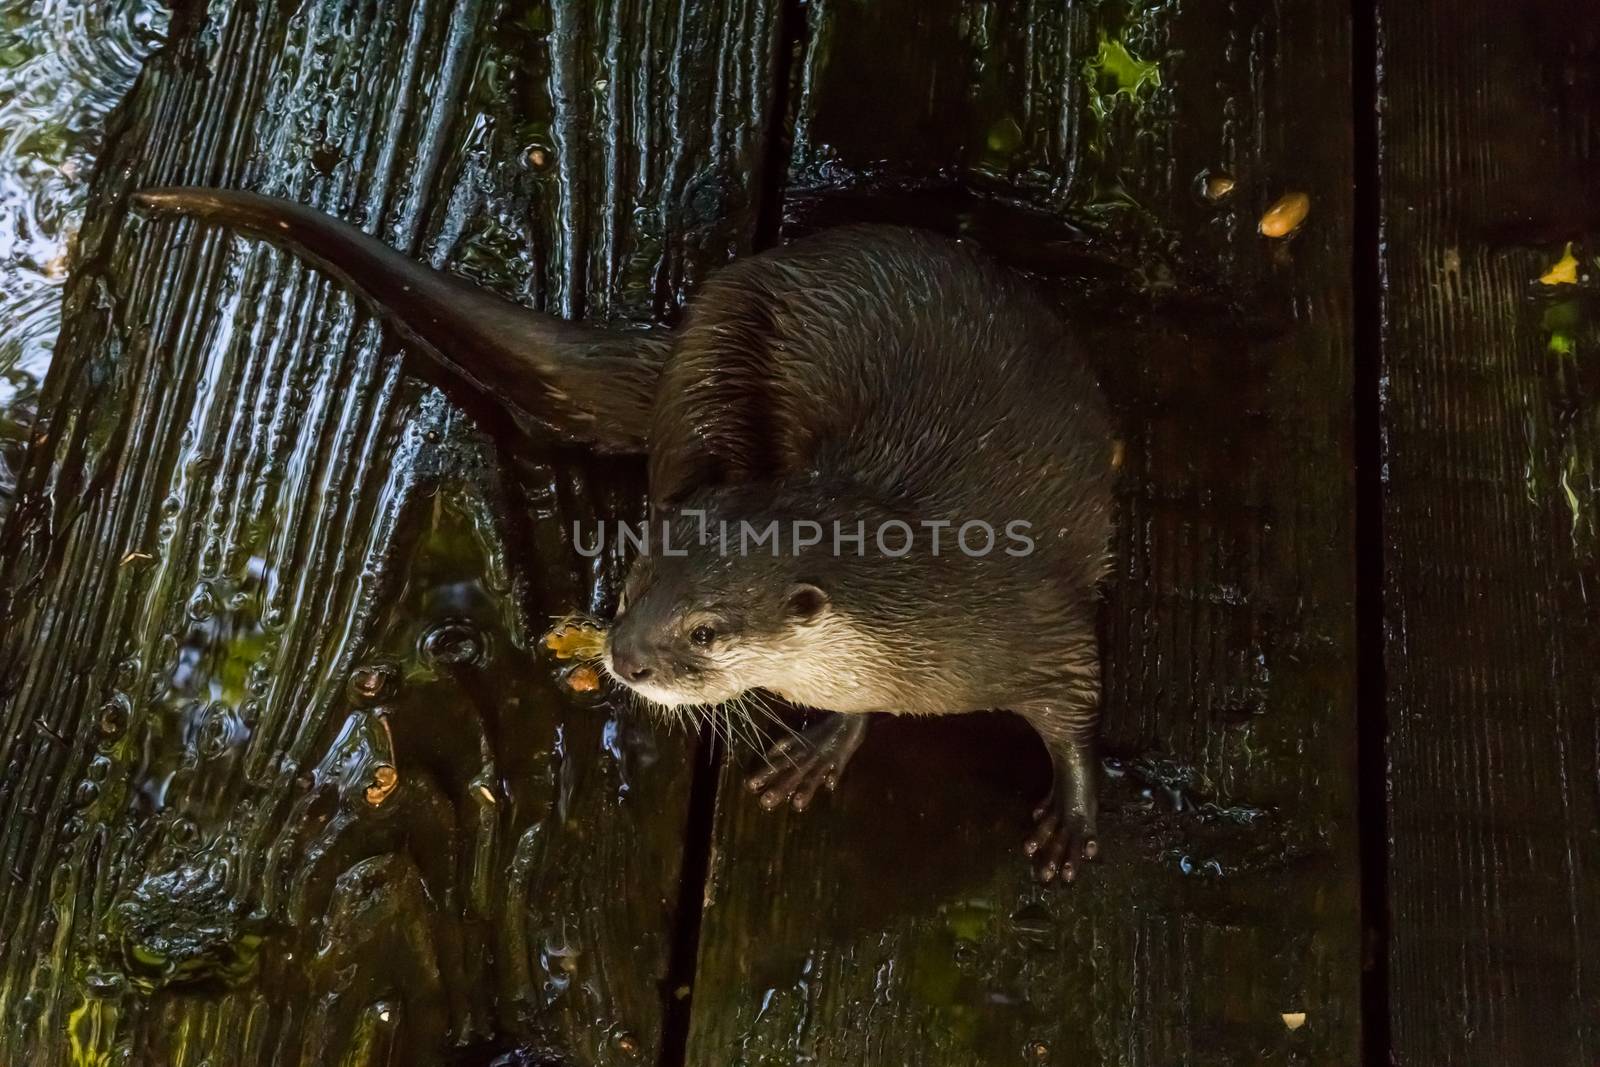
[[797, 767], [1061, 840]]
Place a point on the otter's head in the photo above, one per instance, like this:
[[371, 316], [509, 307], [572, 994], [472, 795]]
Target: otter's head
[[705, 626]]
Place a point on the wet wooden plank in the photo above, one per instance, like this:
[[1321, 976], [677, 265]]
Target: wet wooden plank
[[896, 922], [1490, 141], [230, 836]]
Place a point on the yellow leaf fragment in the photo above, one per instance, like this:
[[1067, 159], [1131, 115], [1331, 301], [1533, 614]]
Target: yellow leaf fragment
[[1294, 1020], [573, 638], [1564, 271], [384, 779], [1285, 215]]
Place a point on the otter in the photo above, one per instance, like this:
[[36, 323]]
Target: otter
[[838, 394]]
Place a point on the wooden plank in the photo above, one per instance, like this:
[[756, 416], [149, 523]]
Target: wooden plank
[[895, 922], [1490, 142], [229, 836]]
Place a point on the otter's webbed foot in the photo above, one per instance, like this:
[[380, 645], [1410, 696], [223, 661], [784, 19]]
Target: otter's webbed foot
[[798, 766], [1064, 834]]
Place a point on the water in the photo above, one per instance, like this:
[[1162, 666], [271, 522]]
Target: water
[[64, 64]]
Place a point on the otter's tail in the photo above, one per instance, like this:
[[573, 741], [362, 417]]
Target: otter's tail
[[585, 384]]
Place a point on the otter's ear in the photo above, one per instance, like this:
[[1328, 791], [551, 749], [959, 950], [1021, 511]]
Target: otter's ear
[[806, 601]]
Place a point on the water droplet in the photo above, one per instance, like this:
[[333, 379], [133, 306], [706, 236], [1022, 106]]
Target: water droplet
[[203, 604], [373, 683], [1214, 185], [99, 769], [185, 832], [453, 644], [104, 983], [113, 718], [538, 158], [216, 731], [583, 679], [87, 793]]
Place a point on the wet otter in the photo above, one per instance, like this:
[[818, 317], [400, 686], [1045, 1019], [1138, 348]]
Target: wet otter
[[861, 385]]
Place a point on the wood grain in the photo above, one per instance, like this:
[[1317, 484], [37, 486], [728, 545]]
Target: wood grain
[[1490, 142], [895, 922], [286, 781]]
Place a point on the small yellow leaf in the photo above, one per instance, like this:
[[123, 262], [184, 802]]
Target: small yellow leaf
[[1563, 272], [384, 780], [1285, 215], [1294, 1020], [572, 638]]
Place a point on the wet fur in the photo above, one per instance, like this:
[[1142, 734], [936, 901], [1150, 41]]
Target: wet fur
[[879, 372]]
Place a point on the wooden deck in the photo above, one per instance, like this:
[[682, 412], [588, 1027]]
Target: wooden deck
[[287, 780]]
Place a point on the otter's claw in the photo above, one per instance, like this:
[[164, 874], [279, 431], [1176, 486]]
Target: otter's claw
[[1064, 835], [797, 767], [1058, 843]]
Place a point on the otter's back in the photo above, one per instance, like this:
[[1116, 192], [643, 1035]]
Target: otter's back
[[895, 360]]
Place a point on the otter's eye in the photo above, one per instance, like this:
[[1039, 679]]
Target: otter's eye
[[702, 635]]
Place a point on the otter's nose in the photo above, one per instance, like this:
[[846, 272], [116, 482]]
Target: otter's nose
[[629, 664]]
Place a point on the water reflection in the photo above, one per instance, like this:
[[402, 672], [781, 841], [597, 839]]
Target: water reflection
[[64, 64]]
